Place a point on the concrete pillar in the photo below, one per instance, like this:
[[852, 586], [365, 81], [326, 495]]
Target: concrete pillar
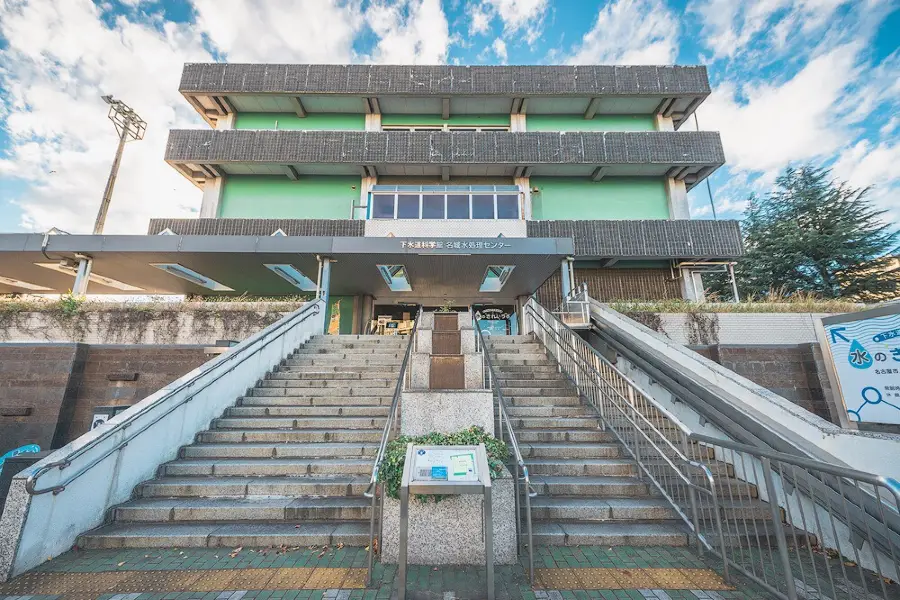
[[692, 286], [664, 123], [212, 196], [565, 271], [524, 184], [373, 122], [226, 122], [517, 122], [676, 193], [365, 186], [324, 285], [82, 276]]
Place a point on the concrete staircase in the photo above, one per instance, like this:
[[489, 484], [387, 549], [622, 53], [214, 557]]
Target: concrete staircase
[[590, 491], [287, 465]]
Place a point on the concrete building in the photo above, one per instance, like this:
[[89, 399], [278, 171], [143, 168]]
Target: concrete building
[[439, 185]]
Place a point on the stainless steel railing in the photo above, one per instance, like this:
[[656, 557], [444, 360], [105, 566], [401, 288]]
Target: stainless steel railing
[[800, 528], [656, 439], [374, 491], [225, 364], [506, 432], [807, 528]]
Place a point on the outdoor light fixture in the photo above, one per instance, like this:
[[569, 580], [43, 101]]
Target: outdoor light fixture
[[192, 276], [395, 277], [293, 276], [495, 278], [70, 267], [24, 284]]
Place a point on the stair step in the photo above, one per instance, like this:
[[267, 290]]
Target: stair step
[[610, 534], [249, 467], [603, 485], [526, 436], [346, 410], [570, 450], [581, 466], [550, 411], [300, 423], [325, 383], [330, 360], [350, 350], [242, 509], [601, 509], [340, 391], [283, 373], [315, 401], [557, 423], [386, 371], [263, 450], [239, 487], [542, 401], [226, 436], [508, 383], [230, 535]]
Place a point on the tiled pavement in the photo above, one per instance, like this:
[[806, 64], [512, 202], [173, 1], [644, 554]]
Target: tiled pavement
[[561, 573]]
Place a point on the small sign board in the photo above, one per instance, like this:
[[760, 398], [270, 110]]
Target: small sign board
[[434, 463], [864, 351]]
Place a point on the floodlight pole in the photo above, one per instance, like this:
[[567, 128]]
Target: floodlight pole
[[110, 183], [129, 126]]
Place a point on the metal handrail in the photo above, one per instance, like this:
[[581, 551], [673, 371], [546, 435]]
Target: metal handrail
[[305, 312], [637, 422], [371, 491], [521, 467]]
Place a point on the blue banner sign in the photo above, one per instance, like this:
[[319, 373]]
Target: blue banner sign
[[21, 450]]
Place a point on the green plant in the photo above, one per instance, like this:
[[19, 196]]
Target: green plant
[[69, 304], [446, 307], [391, 471]]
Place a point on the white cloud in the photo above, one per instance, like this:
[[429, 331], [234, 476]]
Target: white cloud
[[314, 31], [499, 47], [877, 165], [519, 17], [409, 32], [60, 57], [630, 32], [766, 126]]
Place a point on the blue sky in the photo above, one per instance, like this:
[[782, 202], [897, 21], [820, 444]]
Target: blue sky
[[793, 81]]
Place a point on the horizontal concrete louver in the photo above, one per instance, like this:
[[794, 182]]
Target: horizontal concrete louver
[[375, 80], [645, 238], [432, 147]]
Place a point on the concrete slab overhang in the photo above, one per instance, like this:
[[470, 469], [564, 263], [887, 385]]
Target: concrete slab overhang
[[202, 154], [437, 268], [217, 89]]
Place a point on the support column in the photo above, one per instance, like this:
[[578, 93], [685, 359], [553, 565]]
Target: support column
[[324, 285], [524, 184], [676, 192], [692, 286], [82, 276], [564, 272], [225, 122], [212, 196], [373, 122], [365, 186], [664, 123]]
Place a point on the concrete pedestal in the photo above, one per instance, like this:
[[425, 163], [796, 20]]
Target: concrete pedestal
[[446, 411], [449, 532]]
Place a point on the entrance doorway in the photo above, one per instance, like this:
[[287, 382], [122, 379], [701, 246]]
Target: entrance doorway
[[496, 319]]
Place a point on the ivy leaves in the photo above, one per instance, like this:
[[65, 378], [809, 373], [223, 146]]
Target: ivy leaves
[[391, 472]]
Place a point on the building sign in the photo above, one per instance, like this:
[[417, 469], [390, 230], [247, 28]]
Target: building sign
[[865, 353], [491, 244]]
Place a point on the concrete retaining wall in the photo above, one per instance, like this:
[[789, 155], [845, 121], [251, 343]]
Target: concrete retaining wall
[[157, 323], [745, 329]]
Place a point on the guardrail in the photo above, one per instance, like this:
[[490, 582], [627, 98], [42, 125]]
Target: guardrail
[[374, 490], [799, 527], [504, 428], [101, 468]]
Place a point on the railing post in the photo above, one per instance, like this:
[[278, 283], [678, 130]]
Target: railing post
[[772, 493], [692, 495]]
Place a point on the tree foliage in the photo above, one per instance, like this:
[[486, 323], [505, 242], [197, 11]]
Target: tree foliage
[[816, 235]]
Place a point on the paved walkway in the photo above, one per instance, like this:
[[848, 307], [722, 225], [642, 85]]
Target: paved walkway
[[561, 573]]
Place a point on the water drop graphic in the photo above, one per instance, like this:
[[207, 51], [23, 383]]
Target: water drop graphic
[[859, 357]]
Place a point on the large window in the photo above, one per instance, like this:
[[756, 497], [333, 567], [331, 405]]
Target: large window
[[445, 202]]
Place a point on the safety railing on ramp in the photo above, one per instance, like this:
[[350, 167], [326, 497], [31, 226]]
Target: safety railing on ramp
[[801, 528], [69, 492]]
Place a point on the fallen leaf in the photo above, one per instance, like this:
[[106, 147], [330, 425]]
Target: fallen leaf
[[340, 546], [120, 564]]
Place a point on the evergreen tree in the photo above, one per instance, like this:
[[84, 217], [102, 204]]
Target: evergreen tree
[[816, 235]]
